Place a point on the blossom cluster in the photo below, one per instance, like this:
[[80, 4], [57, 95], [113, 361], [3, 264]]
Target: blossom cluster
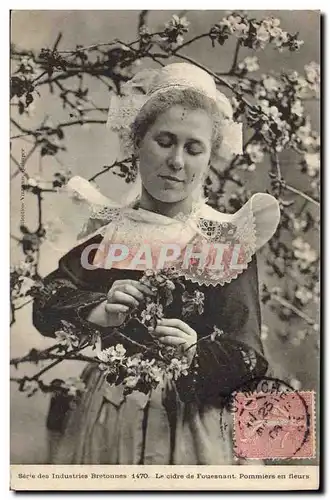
[[23, 282], [305, 255], [255, 34], [253, 154], [173, 35], [139, 372], [278, 117], [248, 65], [68, 335]]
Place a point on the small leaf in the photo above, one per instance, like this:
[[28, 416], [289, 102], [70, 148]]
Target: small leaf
[[28, 99]]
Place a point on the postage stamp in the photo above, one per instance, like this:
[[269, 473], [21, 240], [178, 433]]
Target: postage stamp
[[274, 424]]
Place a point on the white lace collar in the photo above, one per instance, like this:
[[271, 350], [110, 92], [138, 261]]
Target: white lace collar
[[251, 226]]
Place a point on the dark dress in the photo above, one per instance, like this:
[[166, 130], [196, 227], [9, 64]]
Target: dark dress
[[184, 422]]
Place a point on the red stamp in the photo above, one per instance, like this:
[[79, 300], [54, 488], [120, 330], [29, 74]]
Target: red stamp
[[274, 424]]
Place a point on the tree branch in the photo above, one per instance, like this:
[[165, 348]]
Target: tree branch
[[292, 308], [234, 64], [301, 193]]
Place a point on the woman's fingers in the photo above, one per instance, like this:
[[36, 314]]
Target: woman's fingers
[[130, 287], [177, 324], [144, 289], [116, 308], [174, 341], [118, 297], [168, 331], [174, 332], [133, 291]]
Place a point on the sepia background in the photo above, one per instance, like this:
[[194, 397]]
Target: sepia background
[[89, 147]]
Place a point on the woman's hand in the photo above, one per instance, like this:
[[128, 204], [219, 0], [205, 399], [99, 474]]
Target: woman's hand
[[123, 297], [176, 333]]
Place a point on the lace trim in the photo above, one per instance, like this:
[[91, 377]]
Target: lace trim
[[106, 213], [223, 232]]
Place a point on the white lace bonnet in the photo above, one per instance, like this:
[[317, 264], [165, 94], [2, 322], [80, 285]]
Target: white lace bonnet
[[149, 83]]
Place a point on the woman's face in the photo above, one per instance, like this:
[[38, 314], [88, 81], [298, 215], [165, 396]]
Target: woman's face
[[175, 152]]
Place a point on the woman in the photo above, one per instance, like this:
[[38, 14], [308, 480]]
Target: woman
[[178, 126]]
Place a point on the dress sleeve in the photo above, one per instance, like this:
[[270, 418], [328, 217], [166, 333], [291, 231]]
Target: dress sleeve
[[68, 293], [236, 355]]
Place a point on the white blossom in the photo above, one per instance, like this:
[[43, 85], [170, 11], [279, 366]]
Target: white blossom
[[280, 37], [298, 224], [32, 182], [295, 384], [177, 367], [131, 381], [68, 338], [270, 83], [303, 295], [111, 354], [262, 34], [271, 23], [312, 162], [27, 65], [304, 252], [312, 72], [236, 25], [155, 373], [249, 64], [74, 385], [304, 135], [297, 108], [255, 152], [177, 22]]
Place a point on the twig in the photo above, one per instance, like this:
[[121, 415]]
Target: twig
[[276, 166], [57, 41], [104, 170], [27, 358], [51, 130], [39, 198], [57, 361], [234, 65], [142, 20], [301, 193], [39, 76], [218, 79], [304, 205], [20, 170], [15, 238], [78, 357], [292, 308], [282, 183], [185, 44], [155, 57], [116, 41]]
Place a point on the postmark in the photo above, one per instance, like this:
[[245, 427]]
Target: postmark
[[273, 421]]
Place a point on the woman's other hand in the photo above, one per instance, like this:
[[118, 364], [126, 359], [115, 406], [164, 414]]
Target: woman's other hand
[[175, 332], [123, 297]]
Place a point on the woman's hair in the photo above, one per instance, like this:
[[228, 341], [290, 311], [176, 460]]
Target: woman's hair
[[161, 102]]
